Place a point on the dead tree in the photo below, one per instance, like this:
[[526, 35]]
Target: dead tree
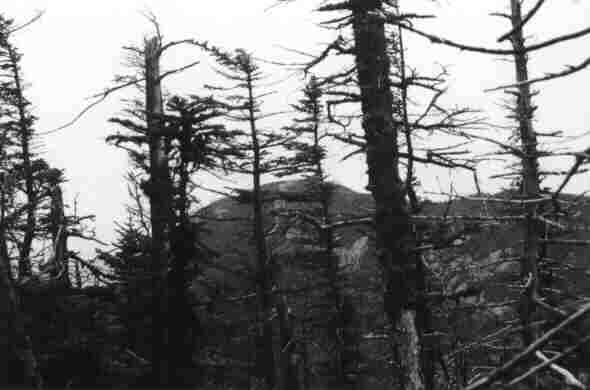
[[58, 228], [159, 193], [537, 219], [530, 174], [385, 121], [166, 150], [395, 241]]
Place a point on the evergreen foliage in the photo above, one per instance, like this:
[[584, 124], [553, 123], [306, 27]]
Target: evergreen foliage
[[300, 284]]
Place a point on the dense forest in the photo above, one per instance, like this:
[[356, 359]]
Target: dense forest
[[294, 281]]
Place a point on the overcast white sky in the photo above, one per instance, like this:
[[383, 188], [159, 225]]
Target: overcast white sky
[[75, 50]]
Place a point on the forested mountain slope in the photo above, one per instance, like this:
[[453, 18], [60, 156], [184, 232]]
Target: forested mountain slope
[[333, 318], [473, 277]]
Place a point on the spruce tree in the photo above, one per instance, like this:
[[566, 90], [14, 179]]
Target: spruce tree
[[307, 139], [254, 158]]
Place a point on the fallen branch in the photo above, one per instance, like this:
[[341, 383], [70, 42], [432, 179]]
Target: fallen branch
[[507, 367], [545, 363], [570, 379]]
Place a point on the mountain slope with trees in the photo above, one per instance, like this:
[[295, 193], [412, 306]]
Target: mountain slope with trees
[[302, 283]]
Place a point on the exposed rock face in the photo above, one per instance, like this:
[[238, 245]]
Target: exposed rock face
[[286, 237]]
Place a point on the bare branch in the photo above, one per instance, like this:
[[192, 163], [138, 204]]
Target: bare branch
[[443, 41], [580, 158], [485, 50], [548, 362], [37, 16], [524, 21], [507, 367], [571, 69], [177, 70], [100, 97]]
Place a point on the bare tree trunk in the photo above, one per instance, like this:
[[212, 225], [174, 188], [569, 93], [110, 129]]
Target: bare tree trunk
[[394, 239], [59, 233], [160, 206], [530, 179], [530, 175], [423, 311], [266, 356]]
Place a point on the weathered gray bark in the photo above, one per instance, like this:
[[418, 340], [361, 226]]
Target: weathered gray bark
[[59, 234], [529, 180], [394, 239], [423, 318], [158, 191], [530, 175]]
